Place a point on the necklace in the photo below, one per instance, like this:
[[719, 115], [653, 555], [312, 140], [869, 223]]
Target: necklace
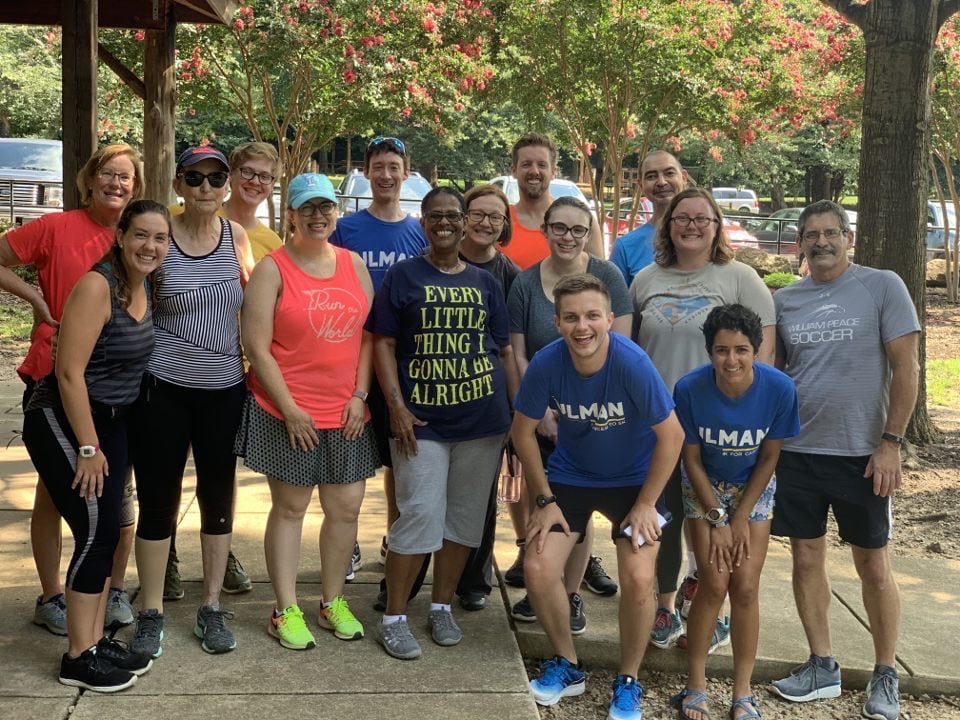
[[448, 271]]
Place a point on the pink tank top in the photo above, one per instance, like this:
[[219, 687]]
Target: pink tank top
[[317, 329]]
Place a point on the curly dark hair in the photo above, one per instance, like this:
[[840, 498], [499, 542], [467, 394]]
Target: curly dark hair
[[736, 318]]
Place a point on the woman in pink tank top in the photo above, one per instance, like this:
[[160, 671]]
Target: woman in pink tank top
[[306, 422]]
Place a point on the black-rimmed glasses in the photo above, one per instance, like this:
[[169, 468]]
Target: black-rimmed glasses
[[309, 209], [478, 216], [263, 178], [559, 230], [701, 221]]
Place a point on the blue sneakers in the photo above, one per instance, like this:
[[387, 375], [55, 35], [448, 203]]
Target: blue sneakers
[[625, 703], [558, 679]]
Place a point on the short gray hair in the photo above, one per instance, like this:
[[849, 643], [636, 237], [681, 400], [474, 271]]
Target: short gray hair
[[821, 207]]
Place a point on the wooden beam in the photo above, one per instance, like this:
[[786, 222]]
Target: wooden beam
[[158, 110], [127, 75], [79, 111]]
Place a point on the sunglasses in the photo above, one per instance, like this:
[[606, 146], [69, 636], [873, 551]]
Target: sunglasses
[[391, 142], [217, 179]]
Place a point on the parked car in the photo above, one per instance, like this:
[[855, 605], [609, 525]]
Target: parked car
[[936, 227], [741, 200], [558, 188], [738, 237], [782, 226], [621, 225], [355, 195], [31, 178]]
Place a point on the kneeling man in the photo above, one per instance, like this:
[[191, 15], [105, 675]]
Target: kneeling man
[[617, 443]]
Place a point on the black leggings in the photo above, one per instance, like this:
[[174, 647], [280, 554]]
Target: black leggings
[[169, 420], [94, 522], [671, 543]]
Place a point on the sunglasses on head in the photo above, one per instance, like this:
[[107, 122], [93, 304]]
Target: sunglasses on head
[[217, 179], [391, 142]]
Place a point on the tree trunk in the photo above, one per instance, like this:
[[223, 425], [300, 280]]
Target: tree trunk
[[778, 199], [894, 156]]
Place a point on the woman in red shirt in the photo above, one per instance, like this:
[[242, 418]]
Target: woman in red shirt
[[306, 422]]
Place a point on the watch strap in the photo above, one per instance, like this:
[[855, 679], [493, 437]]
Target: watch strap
[[895, 439]]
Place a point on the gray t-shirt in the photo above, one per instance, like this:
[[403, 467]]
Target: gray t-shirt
[[672, 304], [532, 313], [833, 337]]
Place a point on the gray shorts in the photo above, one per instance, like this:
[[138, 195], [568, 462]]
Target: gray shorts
[[442, 493]]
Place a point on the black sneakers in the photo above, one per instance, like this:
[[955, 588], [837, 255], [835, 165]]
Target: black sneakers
[[93, 672], [597, 580], [121, 656]]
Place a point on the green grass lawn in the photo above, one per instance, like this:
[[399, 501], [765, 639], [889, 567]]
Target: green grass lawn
[[943, 382], [16, 321]]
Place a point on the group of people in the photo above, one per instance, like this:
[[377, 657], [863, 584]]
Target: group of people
[[643, 388]]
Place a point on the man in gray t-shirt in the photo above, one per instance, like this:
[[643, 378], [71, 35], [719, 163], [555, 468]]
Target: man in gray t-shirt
[[848, 336]]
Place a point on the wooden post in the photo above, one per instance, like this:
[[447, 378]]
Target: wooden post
[[79, 18], [158, 109]]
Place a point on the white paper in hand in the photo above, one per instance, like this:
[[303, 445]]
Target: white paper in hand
[[628, 531]]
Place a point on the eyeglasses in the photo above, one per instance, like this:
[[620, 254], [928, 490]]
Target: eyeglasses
[[217, 179], [701, 221], [478, 216], [436, 218], [263, 178], [309, 209], [125, 179], [392, 142], [559, 229], [829, 234]]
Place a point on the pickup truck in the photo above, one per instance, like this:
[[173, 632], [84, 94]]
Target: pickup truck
[[31, 179]]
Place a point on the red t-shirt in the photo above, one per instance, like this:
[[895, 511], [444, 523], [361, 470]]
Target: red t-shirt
[[317, 329], [62, 246], [527, 246]]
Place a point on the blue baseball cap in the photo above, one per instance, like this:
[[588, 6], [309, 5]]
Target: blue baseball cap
[[308, 187], [193, 155]]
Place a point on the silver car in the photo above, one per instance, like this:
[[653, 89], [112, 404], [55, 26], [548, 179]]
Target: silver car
[[355, 195], [31, 178]]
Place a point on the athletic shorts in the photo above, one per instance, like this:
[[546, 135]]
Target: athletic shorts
[[728, 496], [808, 485], [579, 503]]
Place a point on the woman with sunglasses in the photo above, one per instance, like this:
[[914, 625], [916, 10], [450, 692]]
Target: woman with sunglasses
[[566, 225], [442, 355], [306, 423], [193, 395], [694, 272], [62, 247]]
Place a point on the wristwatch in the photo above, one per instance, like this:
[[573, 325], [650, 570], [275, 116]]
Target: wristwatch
[[717, 517], [361, 394], [895, 439], [88, 451], [544, 500]]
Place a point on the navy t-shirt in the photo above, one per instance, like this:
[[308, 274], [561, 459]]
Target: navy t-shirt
[[379, 243], [730, 430], [449, 330], [604, 438]]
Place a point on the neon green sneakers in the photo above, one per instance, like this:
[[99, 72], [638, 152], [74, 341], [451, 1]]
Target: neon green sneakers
[[338, 618], [290, 629]]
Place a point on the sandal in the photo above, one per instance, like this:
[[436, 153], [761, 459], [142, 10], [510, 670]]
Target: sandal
[[748, 705], [688, 699]]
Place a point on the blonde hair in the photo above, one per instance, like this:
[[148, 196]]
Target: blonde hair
[[87, 177]]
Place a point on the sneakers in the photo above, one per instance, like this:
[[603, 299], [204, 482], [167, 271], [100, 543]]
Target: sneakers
[[356, 562], [235, 578], [685, 595], [578, 619], [559, 678], [817, 679], [443, 628], [212, 630], [121, 656], [719, 639], [148, 633], [523, 611], [383, 550], [514, 574], [883, 694], [51, 614], [625, 703], [597, 580], [119, 610], [473, 601], [337, 617], [666, 629], [172, 587], [398, 641], [290, 629], [92, 672]]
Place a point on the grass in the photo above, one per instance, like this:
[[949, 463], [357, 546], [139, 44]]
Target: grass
[[943, 382], [16, 321]]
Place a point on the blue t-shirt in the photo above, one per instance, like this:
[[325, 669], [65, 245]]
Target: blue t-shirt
[[604, 438], [379, 243], [730, 430], [449, 330], [634, 251]]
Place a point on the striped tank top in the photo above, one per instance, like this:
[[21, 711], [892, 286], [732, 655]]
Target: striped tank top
[[197, 317]]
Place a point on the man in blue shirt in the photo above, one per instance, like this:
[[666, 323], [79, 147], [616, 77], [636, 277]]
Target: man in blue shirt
[[661, 177], [618, 440]]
